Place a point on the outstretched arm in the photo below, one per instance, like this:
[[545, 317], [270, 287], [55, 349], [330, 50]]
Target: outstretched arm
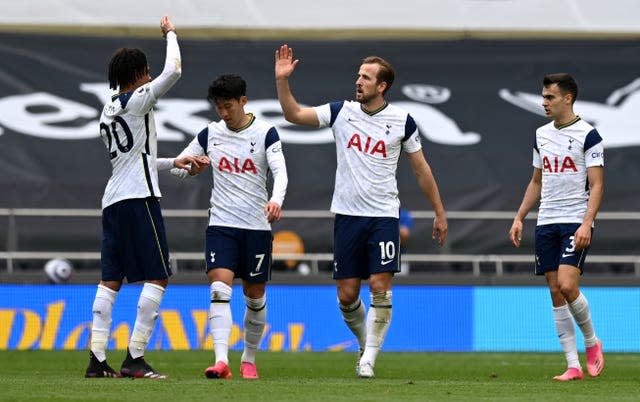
[[429, 187], [293, 112], [530, 199], [172, 64]]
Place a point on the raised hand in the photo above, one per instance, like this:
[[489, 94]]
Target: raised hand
[[166, 25], [284, 64]]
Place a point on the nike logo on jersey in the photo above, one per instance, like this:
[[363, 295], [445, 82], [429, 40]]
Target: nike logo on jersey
[[215, 144], [565, 255], [252, 274], [382, 262], [542, 145]]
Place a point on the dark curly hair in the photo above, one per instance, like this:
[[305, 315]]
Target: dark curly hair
[[126, 67]]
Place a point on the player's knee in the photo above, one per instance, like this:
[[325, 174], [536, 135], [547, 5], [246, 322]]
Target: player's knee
[[220, 291], [255, 304], [381, 299], [350, 307], [347, 297], [569, 291]]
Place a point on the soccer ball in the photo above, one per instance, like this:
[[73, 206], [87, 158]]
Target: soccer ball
[[58, 270]]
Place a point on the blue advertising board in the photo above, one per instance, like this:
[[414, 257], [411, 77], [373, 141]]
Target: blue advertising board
[[306, 318]]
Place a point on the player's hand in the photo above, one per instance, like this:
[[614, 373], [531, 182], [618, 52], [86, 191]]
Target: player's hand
[[199, 164], [166, 25], [582, 237], [285, 64], [272, 211], [515, 233], [192, 164], [440, 228]]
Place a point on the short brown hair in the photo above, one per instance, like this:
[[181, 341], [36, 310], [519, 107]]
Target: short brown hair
[[386, 73], [565, 82]]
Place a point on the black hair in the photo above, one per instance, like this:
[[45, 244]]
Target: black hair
[[126, 67], [227, 86]]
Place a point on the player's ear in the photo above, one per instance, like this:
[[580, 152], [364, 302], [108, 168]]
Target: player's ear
[[382, 86], [243, 100]]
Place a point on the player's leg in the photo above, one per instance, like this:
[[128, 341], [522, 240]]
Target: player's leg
[[257, 250], [255, 318], [565, 330], [352, 309], [105, 297], [221, 253], [100, 331], [548, 250], [147, 260], [571, 266], [349, 266], [383, 258], [378, 320]]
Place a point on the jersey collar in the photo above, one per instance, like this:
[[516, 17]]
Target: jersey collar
[[565, 125], [252, 118], [378, 110]]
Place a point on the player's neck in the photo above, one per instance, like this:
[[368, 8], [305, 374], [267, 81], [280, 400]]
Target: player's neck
[[135, 85], [565, 119], [374, 105]]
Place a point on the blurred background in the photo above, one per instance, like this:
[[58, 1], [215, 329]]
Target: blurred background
[[468, 71]]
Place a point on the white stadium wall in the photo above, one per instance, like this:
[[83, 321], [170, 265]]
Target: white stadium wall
[[615, 16]]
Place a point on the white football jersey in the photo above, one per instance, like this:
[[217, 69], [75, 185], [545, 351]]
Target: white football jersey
[[368, 147], [128, 130], [564, 154], [240, 162]]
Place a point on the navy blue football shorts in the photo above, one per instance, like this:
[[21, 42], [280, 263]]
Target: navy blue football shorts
[[365, 245], [134, 243], [244, 251], [555, 247]]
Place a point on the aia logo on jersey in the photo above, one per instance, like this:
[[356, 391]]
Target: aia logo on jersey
[[554, 165], [235, 166], [378, 148]]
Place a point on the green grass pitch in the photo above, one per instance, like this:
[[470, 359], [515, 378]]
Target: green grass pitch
[[315, 376]]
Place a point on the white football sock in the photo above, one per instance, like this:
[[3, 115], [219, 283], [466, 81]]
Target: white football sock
[[101, 327], [567, 334], [148, 306], [220, 320], [255, 317], [580, 310], [378, 319], [354, 317]]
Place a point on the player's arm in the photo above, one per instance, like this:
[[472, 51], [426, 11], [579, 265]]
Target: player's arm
[[429, 187], [278, 167], [293, 112], [595, 175], [191, 161], [172, 64], [190, 165], [530, 199]]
